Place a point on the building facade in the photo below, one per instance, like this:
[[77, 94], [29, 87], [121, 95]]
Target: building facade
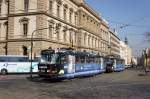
[[114, 43], [126, 53], [54, 24], [105, 38]]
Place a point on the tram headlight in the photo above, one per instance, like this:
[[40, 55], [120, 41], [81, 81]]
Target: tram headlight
[[61, 72], [42, 61]]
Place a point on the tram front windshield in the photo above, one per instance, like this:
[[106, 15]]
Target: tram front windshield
[[55, 58], [46, 58], [59, 58]]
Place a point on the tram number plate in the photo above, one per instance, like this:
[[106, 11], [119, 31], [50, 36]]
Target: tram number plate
[[42, 71], [43, 67]]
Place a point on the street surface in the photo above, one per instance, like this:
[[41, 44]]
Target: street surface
[[129, 84]]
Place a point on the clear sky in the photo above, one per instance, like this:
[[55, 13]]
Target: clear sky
[[136, 13]]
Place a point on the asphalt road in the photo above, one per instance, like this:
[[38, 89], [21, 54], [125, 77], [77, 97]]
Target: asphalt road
[[129, 84]]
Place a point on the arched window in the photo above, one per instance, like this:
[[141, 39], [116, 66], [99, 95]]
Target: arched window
[[65, 11], [25, 50], [70, 14], [59, 3]]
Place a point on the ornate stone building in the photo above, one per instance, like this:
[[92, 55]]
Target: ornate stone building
[[114, 43], [62, 23], [125, 53]]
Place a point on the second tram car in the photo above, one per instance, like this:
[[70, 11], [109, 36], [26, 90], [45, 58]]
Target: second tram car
[[114, 64]]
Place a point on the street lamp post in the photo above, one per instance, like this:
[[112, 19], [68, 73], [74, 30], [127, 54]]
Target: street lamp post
[[32, 46]]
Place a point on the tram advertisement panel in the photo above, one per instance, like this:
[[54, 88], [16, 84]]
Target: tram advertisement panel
[[71, 65]]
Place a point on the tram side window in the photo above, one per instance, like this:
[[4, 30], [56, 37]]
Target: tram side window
[[63, 60], [88, 60], [78, 59], [82, 59], [97, 60], [92, 60], [118, 62]]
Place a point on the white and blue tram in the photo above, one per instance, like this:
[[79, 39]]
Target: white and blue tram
[[70, 64], [119, 64], [114, 64]]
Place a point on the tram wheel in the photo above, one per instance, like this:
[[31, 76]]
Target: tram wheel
[[3, 71]]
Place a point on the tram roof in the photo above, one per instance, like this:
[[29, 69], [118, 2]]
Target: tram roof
[[47, 51]]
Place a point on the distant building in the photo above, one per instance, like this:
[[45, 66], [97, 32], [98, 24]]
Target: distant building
[[114, 43], [126, 53]]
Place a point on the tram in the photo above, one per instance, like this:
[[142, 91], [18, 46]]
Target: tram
[[114, 64], [120, 65], [69, 64]]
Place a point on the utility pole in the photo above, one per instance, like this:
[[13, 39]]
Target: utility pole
[[34, 31]]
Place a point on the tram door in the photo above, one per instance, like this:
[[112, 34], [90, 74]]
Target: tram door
[[102, 63], [115, 63], [71, 64]]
